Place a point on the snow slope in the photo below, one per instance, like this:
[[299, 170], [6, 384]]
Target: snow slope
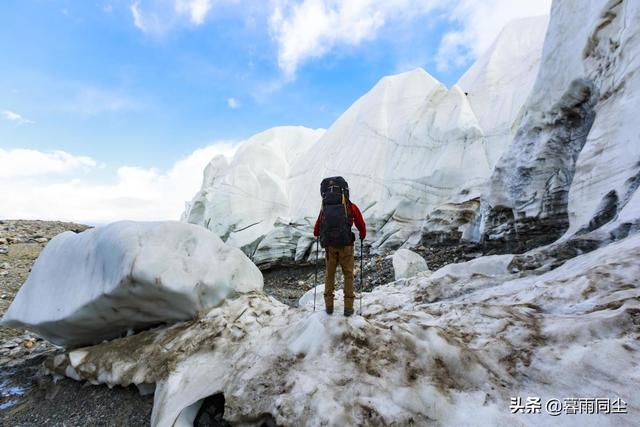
[[105, 281], [450, 349]]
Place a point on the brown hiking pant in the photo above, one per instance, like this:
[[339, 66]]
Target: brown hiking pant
[[344, 256]]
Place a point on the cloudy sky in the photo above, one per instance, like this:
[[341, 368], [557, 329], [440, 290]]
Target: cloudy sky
[[110, 109]]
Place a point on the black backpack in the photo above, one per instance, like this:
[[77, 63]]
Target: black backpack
[[335, 228]]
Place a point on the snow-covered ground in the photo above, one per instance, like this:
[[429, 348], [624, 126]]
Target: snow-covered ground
[[453, 349]]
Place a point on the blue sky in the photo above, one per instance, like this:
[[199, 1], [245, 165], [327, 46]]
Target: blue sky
[[143, 84]]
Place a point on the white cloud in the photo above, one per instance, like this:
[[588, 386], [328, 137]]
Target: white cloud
[[196, 9], [307, 29], [160, 16], [154, 17], [480, 23], [137, 16], [134, 193], [14, 117], [24, 162], [311, 28], [233, 103]]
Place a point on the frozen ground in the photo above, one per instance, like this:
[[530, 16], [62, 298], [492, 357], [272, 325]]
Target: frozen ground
[[452, 349]]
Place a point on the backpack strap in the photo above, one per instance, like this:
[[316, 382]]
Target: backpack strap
[[347, 208], [344, 204]]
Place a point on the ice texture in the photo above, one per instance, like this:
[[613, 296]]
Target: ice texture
[[407, 264], [105, 281], [450, 349], [241, 200], [574, 164]]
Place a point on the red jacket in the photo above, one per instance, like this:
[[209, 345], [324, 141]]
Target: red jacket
[[354, 218]]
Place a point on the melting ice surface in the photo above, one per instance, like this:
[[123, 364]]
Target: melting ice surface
[[9, 393], [452, 347]]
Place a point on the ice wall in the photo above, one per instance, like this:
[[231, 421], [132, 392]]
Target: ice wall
[[574, 164], [416, 154]]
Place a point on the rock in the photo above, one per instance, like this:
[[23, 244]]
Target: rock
[[4, 250], [408, 264], [41, 240], [9, 344], [92, 286]]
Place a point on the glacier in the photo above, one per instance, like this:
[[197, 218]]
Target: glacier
[[409, 148], [574, 164], [535, 145], [241, 200]]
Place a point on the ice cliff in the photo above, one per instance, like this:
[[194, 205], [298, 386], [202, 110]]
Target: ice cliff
[[411, 149], [574, 164], [241, 200]]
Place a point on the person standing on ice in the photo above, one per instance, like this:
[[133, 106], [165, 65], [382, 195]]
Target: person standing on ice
[[333, 226]]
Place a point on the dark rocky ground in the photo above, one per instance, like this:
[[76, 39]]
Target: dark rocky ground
[[288, 284], [29, 398]]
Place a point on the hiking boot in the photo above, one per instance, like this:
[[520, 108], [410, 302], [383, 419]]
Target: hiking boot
[[348, 311], [329, 310]]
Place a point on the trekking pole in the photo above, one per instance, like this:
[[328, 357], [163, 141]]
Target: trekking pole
[[315, 286], [361, 269]]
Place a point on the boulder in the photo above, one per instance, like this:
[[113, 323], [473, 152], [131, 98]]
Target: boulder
[[107, 281], [408, 264]]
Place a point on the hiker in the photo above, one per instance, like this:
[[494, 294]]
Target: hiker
[[333, 227]]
